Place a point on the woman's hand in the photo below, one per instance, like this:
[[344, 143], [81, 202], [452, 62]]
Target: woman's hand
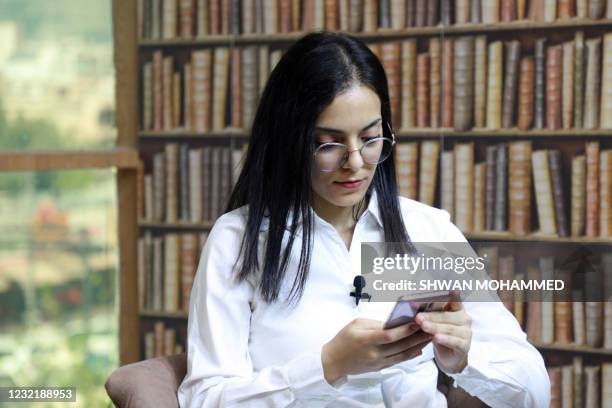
[[363, 345], [452, 334]]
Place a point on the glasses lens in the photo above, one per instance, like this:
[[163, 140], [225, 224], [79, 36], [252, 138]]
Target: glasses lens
[[329, 156], [376, 150]]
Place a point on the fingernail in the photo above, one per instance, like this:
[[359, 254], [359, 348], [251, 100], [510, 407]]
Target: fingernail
[[413, 326]]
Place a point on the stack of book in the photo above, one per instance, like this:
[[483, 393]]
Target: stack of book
[[580, 385], [187, 19], [496, 194], [161, 341]]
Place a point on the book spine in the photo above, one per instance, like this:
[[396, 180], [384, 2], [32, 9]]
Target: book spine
[[513, 54], [463, 80], [540, 75]]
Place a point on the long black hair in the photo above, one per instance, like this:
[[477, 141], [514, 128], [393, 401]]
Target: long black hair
[[275, 176]]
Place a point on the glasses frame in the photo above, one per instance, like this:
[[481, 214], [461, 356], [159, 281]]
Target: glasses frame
[[344, 159]]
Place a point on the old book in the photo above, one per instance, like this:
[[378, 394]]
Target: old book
[[506, 273], [428, 171], [169, 18], [519, 301], [432, 13], [596, 8], [201, 62], [519, 187], [236, 88], [462, 11], [490, 11], [158, 267], [554, 373], [284, 16], [592, 86], [225, 16], [169, 341], [567, 386], [398, 14], [435, 79], [225, 178], [184, 182], [593, 284], [550, 10], [494, 85], [156, 24], [565, 9], [142, 277], [592, 383], [605, 193], [536, 10], [407, 158], [159, 329], [250, 92], [188, 98], [248, 15], [420, 12], [578, 195], [187, 18], [220, 82], [207, 185], [391, 52], [578, 320], [581, 8], [508, 10], [189, 258], [606, 83], [475, 11], [563, 322], [410, 13], [464, 186], [408, 79], [540, 83], [370, 15], [556, 175], [606, 373], [490, 182], [567, 83], [171, 273], [543, 192], [579, 76], [513, 54], [501, 188], [446, 12], [159, 184], [526, 85], [521, 9], [463, 81], [148, 197], [422, 90], [447, 188], [195, 185], [534, 311], [355, 15], [171, 155], [176, 100], [147, 96], [215, 16], [263, 69], [331, 14], [591, 228], [447, 83], [480, 82], [578, 382], [479, 196], [270, 16], [546, 264], [215, 186], [158, 90], [554, 67]]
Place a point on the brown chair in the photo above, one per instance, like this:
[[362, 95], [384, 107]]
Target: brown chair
[[154, 383]]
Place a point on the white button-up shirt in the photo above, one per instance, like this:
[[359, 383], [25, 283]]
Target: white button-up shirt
[[244, 352]]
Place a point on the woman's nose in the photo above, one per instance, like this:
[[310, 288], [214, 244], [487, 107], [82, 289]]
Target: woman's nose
[[354, 161]]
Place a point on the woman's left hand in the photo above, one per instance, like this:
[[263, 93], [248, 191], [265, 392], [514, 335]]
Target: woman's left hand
[[452, 334]]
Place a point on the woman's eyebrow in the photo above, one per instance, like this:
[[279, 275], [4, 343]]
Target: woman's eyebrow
[[340, 132]]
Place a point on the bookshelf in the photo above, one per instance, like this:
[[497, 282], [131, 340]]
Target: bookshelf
[[472, 138]]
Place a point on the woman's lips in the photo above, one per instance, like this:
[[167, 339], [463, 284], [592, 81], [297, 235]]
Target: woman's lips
[[350, 184]]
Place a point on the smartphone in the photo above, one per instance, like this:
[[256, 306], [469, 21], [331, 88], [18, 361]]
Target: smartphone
[[407, 307]]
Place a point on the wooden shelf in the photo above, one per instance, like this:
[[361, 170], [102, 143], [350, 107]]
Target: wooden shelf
[[507, 236], [384, 34], [48, 160], [175, 226], [152, 314], [407, 134], [573, 348]]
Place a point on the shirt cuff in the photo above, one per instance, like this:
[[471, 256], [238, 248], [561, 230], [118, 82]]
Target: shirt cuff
[[308, 382], [474, 376]]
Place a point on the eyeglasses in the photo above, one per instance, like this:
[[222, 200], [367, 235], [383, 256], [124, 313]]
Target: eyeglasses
[[331, 156]]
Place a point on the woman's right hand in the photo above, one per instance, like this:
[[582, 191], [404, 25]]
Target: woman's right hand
[[363, 345]]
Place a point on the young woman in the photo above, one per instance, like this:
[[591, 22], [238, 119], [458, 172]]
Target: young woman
[[271, 322]]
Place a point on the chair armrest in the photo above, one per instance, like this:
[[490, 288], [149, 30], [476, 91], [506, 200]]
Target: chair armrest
[[148, 383]]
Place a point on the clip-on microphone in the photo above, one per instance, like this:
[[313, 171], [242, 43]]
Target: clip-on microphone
[[359, 283]]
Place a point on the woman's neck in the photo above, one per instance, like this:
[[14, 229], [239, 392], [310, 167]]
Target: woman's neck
[[341, 218]]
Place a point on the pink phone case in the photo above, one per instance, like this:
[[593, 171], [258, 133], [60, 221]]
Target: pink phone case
[[406, 309]]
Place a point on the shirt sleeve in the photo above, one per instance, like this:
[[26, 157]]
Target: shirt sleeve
[[504, 369], [219, 368]]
